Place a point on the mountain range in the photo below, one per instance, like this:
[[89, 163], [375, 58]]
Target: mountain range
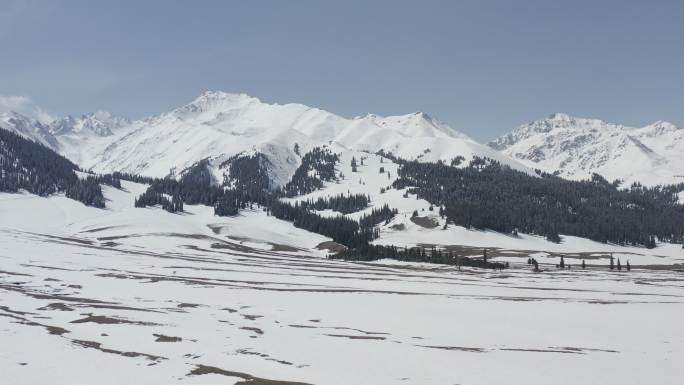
[[577, 147], [218, 125]]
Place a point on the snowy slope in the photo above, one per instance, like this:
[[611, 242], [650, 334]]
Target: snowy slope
[[402, 231], [28, 128], [217, 125], [127, 295], [74, 137], [578, 147]]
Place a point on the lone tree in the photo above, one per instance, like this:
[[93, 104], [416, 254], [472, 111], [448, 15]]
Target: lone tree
[[583, 264], [536, 265], [612, 265], [618, 265], [628, 266], [353, 164], [562, 263]]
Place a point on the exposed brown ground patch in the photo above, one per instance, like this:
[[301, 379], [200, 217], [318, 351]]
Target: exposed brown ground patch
[[427, 222], [163, 338], [98, 346], [247, 379], [104, 320], [459, 348], [542, 350], [56, 306], [356, 337], [253, 329], [331, 246]]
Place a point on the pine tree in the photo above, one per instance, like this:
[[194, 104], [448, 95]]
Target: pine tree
[[562, 263]]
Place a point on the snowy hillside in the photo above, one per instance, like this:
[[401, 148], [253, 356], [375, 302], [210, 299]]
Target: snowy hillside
[[217, 125], [142, 295], [578, 147], [28, 128], [158, 295], [403, 230]]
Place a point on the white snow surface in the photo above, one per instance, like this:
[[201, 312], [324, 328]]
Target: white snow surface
[[217, 125], [578, 147], [402, 231], [144, 296]]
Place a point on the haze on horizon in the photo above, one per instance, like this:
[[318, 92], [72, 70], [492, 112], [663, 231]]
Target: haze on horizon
[[481, 67]]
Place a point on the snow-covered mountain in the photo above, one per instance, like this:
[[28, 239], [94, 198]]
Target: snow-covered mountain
[[578, 147], [28, 128], [218, 125], [100, 123]]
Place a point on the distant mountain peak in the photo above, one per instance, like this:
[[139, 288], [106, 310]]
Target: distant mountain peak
[[577, 147], [99, 123], [209, 100], [560, 116], [662, 125]]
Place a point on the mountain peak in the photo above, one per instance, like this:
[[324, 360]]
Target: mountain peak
[[662, 126], [559, 116], [209, 100], [100, 123], [224, 97]]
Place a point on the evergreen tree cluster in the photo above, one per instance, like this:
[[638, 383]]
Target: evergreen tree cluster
[[107, 179], [318, 166], [132, 178], [378, 216], [488, 195], [345, 204], [153, 198], [87, 191], [37, 169], [248, 173], [248, 183], [457, 161], [341, 229], [416, 254]]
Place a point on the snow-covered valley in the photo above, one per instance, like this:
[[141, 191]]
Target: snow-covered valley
[[147, 293], [145, 296]]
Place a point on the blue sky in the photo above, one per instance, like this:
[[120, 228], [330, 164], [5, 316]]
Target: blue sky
[[483, 67]]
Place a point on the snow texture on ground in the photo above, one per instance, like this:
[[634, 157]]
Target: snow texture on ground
[[144, 296]]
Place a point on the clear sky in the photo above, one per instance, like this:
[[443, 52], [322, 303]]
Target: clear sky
[[483, 67]]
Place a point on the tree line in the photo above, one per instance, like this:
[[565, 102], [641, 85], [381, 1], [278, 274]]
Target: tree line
[[370, 252], [30, 166], [488, 195], [317, 166], [345, 204]]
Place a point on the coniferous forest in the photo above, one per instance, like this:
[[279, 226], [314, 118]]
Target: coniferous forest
[[345, 204], [481, 195], [317, 166], [30, 166], [415, 254], [487, 195], [249, 185]]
